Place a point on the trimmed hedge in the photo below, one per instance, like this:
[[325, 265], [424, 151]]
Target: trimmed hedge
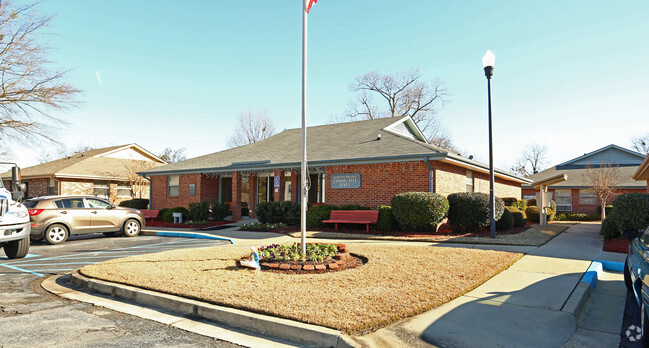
[[137, 203], [533, 213], [520, 219], [419, 211], [168, 217], [472, 210], [610, 228], [219, 210], [510, 201], [276, 212], [316, 214], [506, 221], [531, 202], [631, 211], [386, 221], [577, 217]]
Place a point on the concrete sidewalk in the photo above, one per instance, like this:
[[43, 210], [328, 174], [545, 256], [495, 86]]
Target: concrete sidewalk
[[536, 302], [532, 304]]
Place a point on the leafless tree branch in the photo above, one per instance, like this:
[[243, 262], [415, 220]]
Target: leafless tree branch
[[603, 180], [251, 128]]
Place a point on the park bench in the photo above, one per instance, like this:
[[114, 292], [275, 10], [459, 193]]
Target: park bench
[[150, 214], [366, 217]]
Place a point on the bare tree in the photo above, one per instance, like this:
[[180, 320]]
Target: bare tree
[[170, 155], [603, 180], [641, 144], [29, 91], [251, 128], [531, 161], [138, 184], [401, 95]]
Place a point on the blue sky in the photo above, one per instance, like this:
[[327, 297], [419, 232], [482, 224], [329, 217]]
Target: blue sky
[[571, 75]]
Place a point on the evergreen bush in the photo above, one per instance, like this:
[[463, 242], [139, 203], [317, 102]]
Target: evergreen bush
[[219, 210], [386, 221], [137, 203], [316, 214], [168, 215], [472, 210], [631, 211], [520, 219], [533, 213], [506, 221], [199, 211], [419, 211]]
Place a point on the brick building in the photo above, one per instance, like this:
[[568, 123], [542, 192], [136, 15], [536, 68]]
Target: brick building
[[574, 194], [363, 162], [107, 172]]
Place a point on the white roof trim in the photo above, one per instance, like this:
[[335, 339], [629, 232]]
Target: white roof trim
[[410, 123]]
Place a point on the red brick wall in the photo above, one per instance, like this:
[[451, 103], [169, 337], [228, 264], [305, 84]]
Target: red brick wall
[[208, 188], [583, 208], [36, 187], [252, 195], [236, 197], [159, 191], [379, 182]]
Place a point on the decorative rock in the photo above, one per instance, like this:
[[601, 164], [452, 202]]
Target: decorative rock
[[273, 265], [296, 267], [333, 266], [265, 264], [284, 266], [320, 267], [308, 267], [340, 262]]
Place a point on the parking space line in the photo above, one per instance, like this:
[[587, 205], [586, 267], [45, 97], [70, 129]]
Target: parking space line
[[22, 270]]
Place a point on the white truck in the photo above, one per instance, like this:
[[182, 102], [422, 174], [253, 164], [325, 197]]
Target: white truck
[[14, 217]]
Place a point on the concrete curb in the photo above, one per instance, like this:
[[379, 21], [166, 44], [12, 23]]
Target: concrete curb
[[282, 329], [579, 296], [184, 235]]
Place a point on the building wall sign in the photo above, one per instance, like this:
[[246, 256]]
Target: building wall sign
[[344, 181]]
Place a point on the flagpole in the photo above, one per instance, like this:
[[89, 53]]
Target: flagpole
[[303, 183]]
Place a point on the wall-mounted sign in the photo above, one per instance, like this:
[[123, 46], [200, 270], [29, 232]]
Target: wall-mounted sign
[[277, 181], [349, 180]]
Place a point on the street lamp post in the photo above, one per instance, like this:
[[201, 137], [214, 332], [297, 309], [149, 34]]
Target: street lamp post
[[488, 61]]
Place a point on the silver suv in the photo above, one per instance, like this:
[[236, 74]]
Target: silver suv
[[54, 218]]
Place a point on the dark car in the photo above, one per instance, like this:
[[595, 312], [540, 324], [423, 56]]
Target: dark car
[[636, 278], [55, 218]]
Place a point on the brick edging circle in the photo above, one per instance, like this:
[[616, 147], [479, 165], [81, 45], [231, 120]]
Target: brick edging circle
[[338, 263]]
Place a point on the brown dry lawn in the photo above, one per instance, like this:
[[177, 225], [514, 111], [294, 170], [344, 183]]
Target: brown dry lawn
[[397, 282]]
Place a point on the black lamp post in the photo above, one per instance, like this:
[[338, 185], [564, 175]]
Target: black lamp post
[[488, 61]]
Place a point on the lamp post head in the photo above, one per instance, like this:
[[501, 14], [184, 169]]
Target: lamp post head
[[488, 62]]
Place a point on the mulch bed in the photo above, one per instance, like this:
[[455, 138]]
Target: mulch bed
[[445, 229], [160, 223], [617, 245]]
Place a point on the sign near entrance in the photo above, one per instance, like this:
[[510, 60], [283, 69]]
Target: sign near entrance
[[343, 181], [277, 181]]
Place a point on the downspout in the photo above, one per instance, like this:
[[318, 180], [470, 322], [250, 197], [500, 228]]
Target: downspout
[[431, 181], [150, 189]]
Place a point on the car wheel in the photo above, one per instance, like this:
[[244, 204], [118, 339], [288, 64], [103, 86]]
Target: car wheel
[[56, 234], [627, 275], [17, 249], [131, 228], [109, 234]]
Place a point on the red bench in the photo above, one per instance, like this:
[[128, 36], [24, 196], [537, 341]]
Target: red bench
[[150, 214], [366, 217]]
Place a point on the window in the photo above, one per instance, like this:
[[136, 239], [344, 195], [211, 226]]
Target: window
[[70, 203], [192, 189], [101, 189], [51, 188], [469, 181], [98, 203], [587, 197], [124, 191], [173, 185], [563, 198]]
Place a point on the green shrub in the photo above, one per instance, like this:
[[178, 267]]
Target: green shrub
[[531, 202], [219, 210], [521, 205], [386, 221], [472, 210], [316, 214], [520, 219], [199, 211], [533, 213], [576, 217], [352, 207], [510, 201], [631, 211], [278, 212], [607, 209], [553, 212], [506, 221], [162, 212], [419, 211], [137, 203], [610, 227], [168, 217]]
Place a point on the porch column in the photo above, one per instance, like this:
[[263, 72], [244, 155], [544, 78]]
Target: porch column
[[236, 196], [252, 195], [294, 186], [278, 192]]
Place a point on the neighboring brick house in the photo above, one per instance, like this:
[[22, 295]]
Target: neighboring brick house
[[108, 172], [642, 174], [363, 162], [574, 195]]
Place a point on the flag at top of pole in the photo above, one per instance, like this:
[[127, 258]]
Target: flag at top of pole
[[309, 4]]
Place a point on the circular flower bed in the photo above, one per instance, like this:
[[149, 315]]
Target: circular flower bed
[[319, 257]]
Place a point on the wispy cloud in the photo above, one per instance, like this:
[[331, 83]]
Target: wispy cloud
[[98, 75]]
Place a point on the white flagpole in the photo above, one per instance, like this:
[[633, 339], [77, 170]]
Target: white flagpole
[[303, 183]]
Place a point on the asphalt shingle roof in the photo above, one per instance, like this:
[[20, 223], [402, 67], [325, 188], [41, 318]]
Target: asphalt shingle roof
[[576, 177]]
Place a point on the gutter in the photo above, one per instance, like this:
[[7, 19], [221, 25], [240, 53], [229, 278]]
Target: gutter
[[431, 179]]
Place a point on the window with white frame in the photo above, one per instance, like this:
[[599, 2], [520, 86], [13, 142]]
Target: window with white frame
[[469, 181], [563, 199], [173, 185], [101, 189], [51, 187], [587, 197], [124, 191]]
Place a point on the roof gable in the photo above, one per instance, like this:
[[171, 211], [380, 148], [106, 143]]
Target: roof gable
[[609, 154], [406, 127]]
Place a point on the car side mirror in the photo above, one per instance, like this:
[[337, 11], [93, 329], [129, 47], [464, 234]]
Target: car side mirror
[[112, 206]]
